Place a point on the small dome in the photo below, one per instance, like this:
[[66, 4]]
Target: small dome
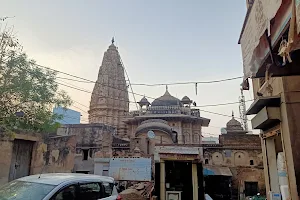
[[144, 101], [186, 100], [166, 100], [234, 125]]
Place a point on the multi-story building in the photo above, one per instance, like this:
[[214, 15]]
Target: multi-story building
[[270, 43]]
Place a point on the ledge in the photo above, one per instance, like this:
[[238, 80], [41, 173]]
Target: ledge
[[262, 102]]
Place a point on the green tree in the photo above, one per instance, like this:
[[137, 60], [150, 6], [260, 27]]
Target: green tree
[[27, 93]]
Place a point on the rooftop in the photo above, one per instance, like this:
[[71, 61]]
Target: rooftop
[[59, 178]]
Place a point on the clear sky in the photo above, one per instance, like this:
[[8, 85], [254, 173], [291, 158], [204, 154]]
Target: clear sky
[[160, 41]]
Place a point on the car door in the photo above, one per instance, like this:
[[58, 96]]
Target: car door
[[68, 192], [110, 192]]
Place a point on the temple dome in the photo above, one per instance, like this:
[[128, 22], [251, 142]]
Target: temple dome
[[234, 125], [144, 101], [166, 100], [186, 100]]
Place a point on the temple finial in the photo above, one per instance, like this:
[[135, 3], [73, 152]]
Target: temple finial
[[166, 87], [113, 40], [232, 114]]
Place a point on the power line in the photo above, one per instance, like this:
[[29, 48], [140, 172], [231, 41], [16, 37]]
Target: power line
[[132, 84], [159, 84], [83, 90]]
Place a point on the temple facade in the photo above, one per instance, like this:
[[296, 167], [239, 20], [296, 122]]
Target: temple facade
[[173, 121], [109, 101]]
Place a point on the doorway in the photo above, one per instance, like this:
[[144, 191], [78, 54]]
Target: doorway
[[179, 178], [21, 159], [251, 188]]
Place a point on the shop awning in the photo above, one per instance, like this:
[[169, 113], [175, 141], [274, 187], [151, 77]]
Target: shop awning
[[216, 171]]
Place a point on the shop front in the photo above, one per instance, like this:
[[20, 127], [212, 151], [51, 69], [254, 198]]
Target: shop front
[[178, 173]]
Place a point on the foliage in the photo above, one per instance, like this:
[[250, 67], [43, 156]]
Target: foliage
[[27, 92]]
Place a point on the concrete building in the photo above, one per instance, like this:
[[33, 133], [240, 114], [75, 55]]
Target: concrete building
[[109, 101], [233, 169], [271, 58], [69, 116]]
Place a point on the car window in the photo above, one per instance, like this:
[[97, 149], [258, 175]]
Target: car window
[[91, 191], [68, 193], [22, 190], [108, 188]]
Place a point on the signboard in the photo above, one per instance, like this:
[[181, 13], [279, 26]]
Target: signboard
[[258, 21], [171, 156], [130, 169]]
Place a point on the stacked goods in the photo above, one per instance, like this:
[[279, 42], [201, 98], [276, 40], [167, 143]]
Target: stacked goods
[[282, 176]]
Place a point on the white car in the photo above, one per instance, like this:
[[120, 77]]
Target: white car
[[207, 197], [60, 186]]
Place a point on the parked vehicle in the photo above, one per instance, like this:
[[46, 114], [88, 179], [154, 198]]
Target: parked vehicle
[[60, 186], [207, 197]]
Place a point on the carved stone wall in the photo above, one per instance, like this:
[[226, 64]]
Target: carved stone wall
[[109, 101]]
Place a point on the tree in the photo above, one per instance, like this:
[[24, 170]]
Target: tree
[[27, 92]]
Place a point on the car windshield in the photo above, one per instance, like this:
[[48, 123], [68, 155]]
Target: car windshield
[[21, 190]]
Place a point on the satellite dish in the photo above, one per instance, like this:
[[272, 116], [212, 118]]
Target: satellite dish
[[223, 131], [151, 134]]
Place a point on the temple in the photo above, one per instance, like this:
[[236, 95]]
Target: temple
[[109, 101]]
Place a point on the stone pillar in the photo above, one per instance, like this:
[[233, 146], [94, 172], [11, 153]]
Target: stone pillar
[[266, 169], [272, 165], [195, 181], [162, 180]]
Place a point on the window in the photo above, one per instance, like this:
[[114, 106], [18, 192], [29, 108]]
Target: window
[[251, 162], [137, 141], [67, 193], [85, 154], [206, 161], [19, 190], [91, 191]]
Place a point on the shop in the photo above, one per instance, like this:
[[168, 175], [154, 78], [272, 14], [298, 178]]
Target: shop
[[217, 182], [178, 173]]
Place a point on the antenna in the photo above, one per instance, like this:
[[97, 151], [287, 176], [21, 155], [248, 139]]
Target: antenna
[[242, 108]]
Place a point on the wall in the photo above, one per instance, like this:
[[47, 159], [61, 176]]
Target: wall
[[91, 138], [48, 155], [236, 151], [240, 139], [5, 154]]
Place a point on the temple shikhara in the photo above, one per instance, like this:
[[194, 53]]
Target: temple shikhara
[[109, 101]]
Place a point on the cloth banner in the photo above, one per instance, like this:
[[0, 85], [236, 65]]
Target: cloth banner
[[258, 22]]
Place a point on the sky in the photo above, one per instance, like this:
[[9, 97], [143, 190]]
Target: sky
[[159, 42]]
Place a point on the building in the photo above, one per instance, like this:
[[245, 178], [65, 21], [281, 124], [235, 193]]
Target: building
[[270, 50], [68, 116], [92, 141], [233, 169], [210, 140], [173, 121], [169, 130], [109, 101]]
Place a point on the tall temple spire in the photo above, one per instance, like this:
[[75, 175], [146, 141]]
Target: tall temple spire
[[109, 101]]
